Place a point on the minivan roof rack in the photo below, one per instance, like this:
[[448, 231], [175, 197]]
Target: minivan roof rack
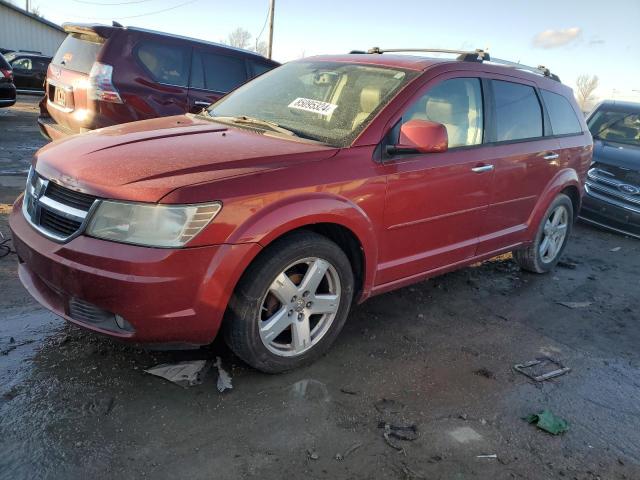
[[477, 55]]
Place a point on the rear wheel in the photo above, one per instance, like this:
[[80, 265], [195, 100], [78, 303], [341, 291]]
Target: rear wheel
[[291, 303], [551, 238]]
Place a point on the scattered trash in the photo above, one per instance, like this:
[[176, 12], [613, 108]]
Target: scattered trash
[[574, 305], [616, 249], [185, 374], [408, 432], [547, 421], [538, 369], [493, 455], [568, 265], [312, 454], [349, 391], [224, 379], [465, 435], [348, 451], [486, 373], [389, 406]]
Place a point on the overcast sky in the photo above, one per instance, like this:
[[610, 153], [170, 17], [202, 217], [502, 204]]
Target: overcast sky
[[569, 36]]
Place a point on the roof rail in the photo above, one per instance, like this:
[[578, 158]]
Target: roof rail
[[540, 69], [477, 55]]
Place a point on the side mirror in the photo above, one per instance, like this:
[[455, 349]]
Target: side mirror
[[421, 136]]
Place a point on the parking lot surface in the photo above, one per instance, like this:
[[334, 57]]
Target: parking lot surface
[[438, 356]]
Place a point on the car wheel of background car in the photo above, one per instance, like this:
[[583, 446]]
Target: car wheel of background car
[[551, 238], [291, 303]]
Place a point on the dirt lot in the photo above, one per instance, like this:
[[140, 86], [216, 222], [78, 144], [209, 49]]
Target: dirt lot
[[438, 355]]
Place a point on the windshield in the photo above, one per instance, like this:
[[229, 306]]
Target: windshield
[[326, 102], [616, 126]]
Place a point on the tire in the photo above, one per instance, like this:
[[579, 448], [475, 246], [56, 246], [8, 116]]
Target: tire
[[533, 258], [278, 290]]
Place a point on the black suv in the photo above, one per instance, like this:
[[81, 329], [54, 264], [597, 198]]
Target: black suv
[[612, 197], [29, 70], [7, 88]]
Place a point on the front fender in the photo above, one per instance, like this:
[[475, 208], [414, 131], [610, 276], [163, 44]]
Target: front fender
[[299, 211], [567, 177]]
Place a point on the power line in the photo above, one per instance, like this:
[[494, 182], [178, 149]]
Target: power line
[[111, 4], [266, 19], [140, 15]]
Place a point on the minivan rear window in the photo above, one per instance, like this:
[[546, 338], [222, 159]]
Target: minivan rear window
[[518, 111], [564, 120], [78, 52]]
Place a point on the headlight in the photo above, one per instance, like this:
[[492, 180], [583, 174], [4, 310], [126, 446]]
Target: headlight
[[150, 225]]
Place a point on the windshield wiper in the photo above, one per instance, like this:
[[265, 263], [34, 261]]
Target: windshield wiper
[[244, 120]]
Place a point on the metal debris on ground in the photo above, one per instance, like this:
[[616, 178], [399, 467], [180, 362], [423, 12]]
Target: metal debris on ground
[[185, 374], [547, 421], [493, 455], [407, 433], [616, 249], [574, 305], [224, 379], [348, 451], [538, 369]]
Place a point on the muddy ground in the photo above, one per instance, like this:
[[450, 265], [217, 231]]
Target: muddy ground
[[438, 355]]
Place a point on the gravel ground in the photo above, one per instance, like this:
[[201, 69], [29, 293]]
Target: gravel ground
[[437, 357]]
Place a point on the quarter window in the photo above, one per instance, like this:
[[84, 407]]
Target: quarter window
[[167, 63], [455, 103], [563, 117]]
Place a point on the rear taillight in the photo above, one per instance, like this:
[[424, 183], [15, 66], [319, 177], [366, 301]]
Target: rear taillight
[[5, 73], [101, 84]]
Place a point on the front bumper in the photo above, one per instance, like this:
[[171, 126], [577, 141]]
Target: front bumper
[[167, 296], [605, 214], [7, 94]]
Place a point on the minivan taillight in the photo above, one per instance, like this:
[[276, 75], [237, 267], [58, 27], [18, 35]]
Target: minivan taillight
[[5, 73], [101, 84]]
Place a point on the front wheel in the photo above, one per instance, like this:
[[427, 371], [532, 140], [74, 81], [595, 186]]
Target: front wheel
[[291, 303], [551, 238]]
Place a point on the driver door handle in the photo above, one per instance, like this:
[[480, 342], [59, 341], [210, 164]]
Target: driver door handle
[[202, 104], [551, 156], [482, 168]]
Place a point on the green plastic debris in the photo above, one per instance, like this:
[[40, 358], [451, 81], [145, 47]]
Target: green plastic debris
[[547, 421]]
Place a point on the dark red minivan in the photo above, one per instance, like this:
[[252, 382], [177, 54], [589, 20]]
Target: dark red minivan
[[106, 75], [323, 182]]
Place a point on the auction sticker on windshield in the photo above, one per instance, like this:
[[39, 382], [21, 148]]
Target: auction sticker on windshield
[[314, 106]]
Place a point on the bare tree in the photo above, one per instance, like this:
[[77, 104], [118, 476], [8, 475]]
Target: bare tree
[[586, 85], [239, 38], [262, 48]]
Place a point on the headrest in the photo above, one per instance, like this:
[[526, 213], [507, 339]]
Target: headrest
[[439, 110], [369, 99]]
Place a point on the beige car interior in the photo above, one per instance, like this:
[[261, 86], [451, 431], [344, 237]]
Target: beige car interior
[[370, 98], [458, 106]]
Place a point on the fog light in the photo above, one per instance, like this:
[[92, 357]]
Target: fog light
[[123, 324]]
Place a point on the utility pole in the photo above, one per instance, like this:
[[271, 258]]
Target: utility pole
[[28, 6], [272, 6]]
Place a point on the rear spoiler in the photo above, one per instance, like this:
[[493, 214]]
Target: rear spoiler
[[91, 29]]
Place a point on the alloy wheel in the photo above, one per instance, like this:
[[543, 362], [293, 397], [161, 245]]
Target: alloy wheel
[[554, 234], [299, 307]]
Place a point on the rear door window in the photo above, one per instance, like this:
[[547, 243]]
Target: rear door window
[[78, 52], [564, 120], [166, 63], [518, 111], [220, 73]]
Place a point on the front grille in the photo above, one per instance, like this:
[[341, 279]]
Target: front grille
[[69, 197], [58, 224], [58, 212], [88, 312], [605, 185]]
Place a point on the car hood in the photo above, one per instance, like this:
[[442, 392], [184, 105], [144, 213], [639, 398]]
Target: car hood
[[620, 160], [144, 161]]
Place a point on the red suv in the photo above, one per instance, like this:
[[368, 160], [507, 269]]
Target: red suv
[[323, 182], [103, 76]]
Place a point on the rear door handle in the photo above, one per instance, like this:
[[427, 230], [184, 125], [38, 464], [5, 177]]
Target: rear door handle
[[551, 156], [482, 168], [202, 104]]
